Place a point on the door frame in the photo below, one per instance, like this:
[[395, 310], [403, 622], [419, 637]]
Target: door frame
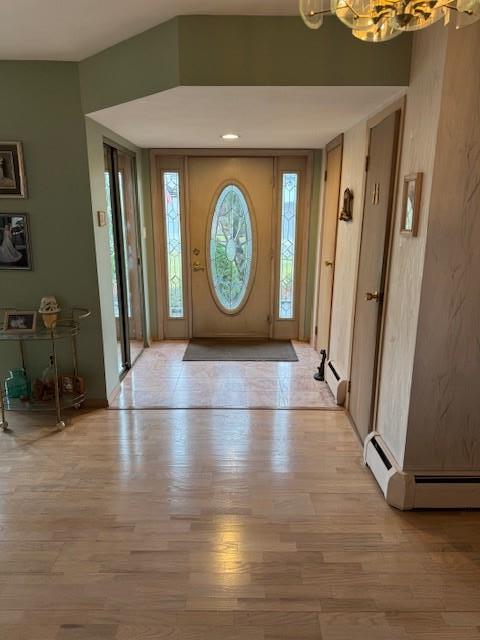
[[398, 105], [113, 148], [333, 144], [177, 160]]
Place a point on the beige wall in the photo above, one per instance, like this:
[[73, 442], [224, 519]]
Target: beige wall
[[444, 422], [407, 257], [407, 254], [348, 244]]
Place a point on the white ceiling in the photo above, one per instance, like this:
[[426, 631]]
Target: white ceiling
[[264, 117], [75, 29]]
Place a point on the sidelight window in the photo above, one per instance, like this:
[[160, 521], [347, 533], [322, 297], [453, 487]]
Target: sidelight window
[[173, 236], [288, 229]]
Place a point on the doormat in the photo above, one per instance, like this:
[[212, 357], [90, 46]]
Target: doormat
[[239, 350]]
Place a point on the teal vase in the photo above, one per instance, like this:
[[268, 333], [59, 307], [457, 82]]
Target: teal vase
[[16, 385]]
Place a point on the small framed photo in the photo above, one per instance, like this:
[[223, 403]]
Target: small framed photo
[[15, 250], [20, 321], [412, 196], [12, 171]]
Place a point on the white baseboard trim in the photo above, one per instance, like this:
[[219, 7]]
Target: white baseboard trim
[[397, 487], [336, 384], [416, 490]]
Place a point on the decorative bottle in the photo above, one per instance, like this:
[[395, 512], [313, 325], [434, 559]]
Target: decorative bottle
[[16, 385], [48, 376]]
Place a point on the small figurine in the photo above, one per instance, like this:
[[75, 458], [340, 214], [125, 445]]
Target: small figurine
[[49, 310]]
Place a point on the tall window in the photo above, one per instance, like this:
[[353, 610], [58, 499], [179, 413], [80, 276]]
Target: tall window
[[173, 233], [286, 310]]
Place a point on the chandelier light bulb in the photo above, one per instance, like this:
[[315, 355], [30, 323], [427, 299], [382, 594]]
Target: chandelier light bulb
[[312, 12]]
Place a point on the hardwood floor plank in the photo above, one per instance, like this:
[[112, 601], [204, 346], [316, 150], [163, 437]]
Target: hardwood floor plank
[[220, 525]]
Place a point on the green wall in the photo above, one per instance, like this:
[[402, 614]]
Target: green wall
[[41, 107], [239, 50], [139, 66], [282, 51], [96, 134]]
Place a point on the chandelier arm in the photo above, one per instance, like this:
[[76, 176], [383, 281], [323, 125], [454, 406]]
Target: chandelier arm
[[468, 12], [311, 14]]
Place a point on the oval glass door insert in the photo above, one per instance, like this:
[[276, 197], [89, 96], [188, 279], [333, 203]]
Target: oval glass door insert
[[231, 249]]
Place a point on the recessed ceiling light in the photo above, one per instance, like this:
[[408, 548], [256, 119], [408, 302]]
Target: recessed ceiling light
[[230, 136]]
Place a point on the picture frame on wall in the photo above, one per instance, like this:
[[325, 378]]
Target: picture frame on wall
[[12, 171], [412, 197], [15, 247]]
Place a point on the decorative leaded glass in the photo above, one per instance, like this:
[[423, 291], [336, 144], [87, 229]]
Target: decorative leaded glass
[[173, 232], [231, 248], [286, 309]]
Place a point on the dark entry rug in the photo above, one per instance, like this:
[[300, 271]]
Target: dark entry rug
[[240, 349]]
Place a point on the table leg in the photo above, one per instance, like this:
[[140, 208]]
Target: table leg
[[60, 422]]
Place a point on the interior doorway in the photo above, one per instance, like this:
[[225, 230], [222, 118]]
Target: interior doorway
[[230, 243], [378, 205], [326, 269], [125, 254]]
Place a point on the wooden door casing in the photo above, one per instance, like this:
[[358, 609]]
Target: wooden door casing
[[326, 268], [378, 205]]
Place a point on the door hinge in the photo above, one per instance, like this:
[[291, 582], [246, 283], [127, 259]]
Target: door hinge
[[349, 386], [316, 331], [325, 176], [269, 319], [367, 162]]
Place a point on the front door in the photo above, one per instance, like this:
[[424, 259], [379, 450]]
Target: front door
[[231, 245], [372, 270]]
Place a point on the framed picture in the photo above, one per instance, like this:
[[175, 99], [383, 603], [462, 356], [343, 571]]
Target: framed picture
[[12, 171], [20, 321], [412, 195], [15, 252]]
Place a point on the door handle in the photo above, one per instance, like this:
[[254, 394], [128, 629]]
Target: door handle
[[196, 266], [373, 295], [328, 263]]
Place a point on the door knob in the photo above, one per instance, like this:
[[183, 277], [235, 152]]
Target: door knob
[[328, 263], [196, 266], [374, 295]]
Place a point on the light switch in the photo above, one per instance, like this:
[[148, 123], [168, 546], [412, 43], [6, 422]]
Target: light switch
[[102, 218]]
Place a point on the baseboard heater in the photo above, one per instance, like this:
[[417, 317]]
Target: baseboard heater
[[418, 491], [337, 386]]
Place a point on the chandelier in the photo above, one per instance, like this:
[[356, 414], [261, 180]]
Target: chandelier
[[381, 20]]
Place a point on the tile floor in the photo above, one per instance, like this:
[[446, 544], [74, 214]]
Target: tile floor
[[160, 379]]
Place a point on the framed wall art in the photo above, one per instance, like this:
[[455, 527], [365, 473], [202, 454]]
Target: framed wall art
[[12, 171], [15, 250], [412, 196]]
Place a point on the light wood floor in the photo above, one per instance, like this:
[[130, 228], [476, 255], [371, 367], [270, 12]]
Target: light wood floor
[[220, 525]]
